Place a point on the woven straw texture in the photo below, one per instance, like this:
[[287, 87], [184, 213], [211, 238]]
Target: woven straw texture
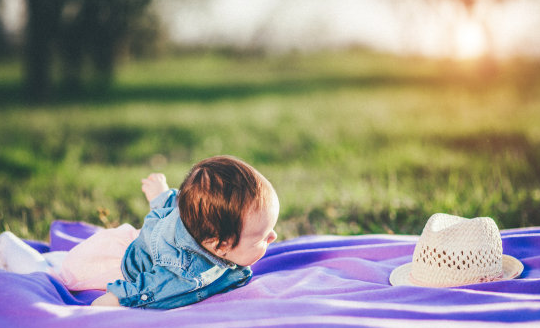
[[455, 251]]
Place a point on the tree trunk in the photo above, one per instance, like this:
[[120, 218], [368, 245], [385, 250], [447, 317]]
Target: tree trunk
[[43, 18]]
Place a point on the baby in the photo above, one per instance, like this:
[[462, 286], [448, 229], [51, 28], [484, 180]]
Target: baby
[[197, 241]]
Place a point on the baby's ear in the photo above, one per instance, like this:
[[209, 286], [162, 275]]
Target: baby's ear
[[211, 245], [223, 249]]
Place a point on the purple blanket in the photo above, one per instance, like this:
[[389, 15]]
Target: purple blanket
[[309, 281]]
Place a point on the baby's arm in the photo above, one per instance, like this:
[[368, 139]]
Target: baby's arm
[[155, 184], [158, 288], [109, 299]]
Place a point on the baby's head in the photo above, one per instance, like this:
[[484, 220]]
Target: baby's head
[[229, 208]]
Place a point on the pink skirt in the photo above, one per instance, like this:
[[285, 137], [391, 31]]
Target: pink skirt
[[95, 262]]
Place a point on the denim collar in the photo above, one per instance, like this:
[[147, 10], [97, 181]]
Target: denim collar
[[183, 239]]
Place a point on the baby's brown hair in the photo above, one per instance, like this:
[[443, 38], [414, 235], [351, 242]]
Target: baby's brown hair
[[216, 195]]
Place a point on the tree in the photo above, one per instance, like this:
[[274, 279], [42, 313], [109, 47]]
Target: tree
[[75, 28], [447, 13], [100, 29], [471, 8], [4, 44], [43, 20], [488, 67]]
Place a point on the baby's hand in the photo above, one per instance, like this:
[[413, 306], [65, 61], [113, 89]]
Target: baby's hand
[[155, 184]]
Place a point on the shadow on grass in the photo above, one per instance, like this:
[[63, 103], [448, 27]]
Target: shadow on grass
[[499, 144], [25, 153], [12, 94]]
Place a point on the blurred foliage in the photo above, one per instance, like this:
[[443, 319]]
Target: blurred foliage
[[354, 142], [85, 38]]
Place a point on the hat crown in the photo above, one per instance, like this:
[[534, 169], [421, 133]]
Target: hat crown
[[455, 251]]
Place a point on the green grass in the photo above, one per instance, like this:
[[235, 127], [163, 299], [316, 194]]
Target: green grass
[[353, 142]]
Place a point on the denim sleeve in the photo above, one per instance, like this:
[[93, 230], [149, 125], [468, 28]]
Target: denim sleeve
[[159, 288], [165, 199], [163, 289]]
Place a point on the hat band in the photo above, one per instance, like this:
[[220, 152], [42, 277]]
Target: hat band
[[453, 284]]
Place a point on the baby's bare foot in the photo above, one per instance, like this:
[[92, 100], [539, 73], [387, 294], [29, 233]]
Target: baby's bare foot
[[155, 184]]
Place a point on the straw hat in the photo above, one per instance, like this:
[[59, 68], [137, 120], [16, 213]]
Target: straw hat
[[455, 251]]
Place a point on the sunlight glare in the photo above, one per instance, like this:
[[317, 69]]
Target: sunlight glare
[[471, 42]]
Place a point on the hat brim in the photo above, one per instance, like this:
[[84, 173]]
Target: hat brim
[[512, 268]]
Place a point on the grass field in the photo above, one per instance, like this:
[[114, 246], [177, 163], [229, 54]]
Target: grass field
[[353, 142]]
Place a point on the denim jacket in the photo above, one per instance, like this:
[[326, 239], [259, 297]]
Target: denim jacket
[[166, 268]]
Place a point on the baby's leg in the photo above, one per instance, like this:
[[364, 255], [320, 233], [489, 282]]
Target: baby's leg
[[97, 260], [19, 257], [155, 184]]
